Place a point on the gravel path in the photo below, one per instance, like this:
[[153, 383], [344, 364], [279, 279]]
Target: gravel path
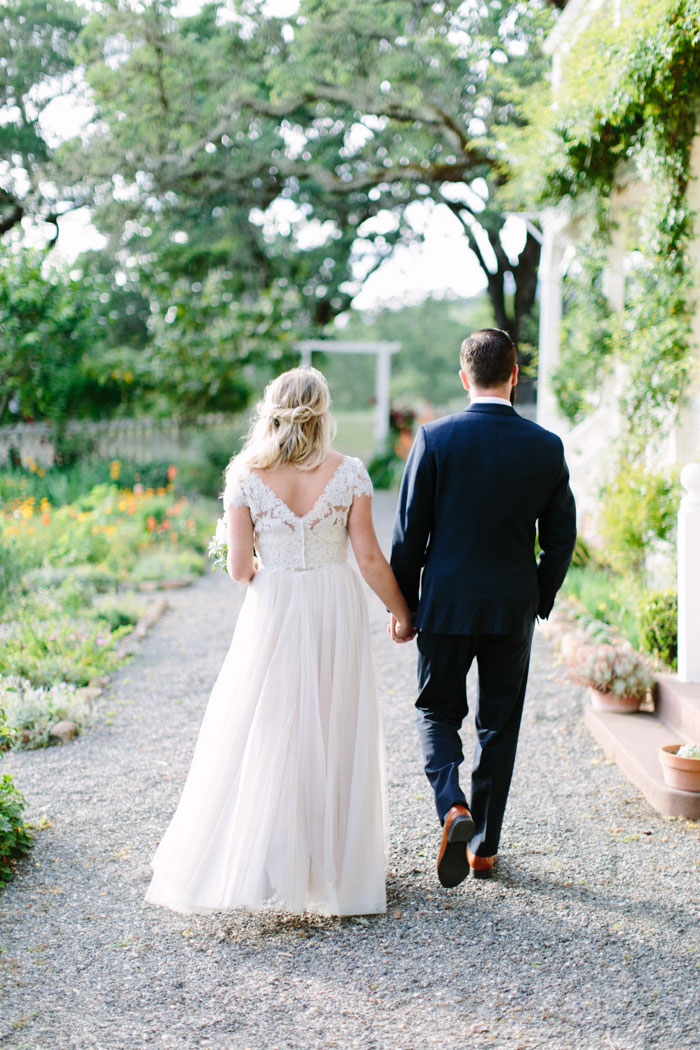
[[589, 939]]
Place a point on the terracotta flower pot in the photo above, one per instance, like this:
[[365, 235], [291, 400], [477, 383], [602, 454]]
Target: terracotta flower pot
[[624, 705], [683, 773]]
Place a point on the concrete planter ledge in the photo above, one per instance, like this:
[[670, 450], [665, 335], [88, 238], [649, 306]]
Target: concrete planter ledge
[[634, 742]]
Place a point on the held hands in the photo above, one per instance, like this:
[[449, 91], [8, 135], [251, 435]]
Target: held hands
[[400, 632]]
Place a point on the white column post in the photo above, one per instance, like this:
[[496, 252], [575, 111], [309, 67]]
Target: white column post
[[305, 361], [689, 576], [550, 320], [382, 406]]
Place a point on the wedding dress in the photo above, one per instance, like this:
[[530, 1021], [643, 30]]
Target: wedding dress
[[285, 796]]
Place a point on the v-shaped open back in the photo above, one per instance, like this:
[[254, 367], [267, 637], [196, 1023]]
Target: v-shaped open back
[[288, 541], [314, 505]]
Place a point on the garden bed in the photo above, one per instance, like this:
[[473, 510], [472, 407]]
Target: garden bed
[[74, 577]]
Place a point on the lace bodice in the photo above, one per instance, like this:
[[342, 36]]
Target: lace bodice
[[320, 537]]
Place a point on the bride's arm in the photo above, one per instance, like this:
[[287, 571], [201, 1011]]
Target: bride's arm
[[240, 562], [374, 566]]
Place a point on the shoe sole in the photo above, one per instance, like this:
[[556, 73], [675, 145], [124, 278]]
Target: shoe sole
[[454, 866]]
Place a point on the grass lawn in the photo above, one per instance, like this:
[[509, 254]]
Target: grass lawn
[[355, 435]]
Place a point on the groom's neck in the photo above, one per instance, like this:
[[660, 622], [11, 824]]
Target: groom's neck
[[498, 391]]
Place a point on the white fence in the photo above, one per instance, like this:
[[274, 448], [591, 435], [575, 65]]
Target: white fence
[[141, 439]]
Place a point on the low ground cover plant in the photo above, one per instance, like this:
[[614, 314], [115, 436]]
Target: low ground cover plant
[[72, 576], [77, 546]]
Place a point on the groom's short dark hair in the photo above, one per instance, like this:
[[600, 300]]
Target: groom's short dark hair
[[488, 356]]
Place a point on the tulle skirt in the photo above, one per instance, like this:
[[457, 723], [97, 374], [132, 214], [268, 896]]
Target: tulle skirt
[[285, 796]]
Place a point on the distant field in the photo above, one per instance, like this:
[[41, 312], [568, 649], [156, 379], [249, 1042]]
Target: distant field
[[354, 436]]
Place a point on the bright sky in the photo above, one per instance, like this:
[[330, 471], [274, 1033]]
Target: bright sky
[[441, 264]]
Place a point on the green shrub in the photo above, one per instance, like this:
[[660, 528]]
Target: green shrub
[[212, 449], [15, 837], [65, 650], [94, 577], [658, 626], [583, 554], [386, 470], [167, 563], [31, 710], [10, 569], [120, 610], [639, 509], [606, 597]]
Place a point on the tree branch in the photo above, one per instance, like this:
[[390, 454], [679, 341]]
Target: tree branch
[[430, 115]]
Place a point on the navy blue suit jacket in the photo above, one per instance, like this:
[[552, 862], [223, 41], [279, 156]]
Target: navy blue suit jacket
[[478, 487]]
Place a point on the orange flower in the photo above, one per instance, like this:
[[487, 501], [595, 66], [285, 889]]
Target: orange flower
[[46, 518], [150, 523], [165, 524], [172, 471], [404, 443]]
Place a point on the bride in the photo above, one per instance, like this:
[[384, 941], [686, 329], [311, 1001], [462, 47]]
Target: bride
[[285, 799]]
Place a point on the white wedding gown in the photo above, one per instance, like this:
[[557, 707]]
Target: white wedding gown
[[285, 796]]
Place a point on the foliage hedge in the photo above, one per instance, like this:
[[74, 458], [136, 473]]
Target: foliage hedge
[[15, 836]]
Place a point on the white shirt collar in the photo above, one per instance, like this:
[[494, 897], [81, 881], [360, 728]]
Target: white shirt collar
[[490, 401]]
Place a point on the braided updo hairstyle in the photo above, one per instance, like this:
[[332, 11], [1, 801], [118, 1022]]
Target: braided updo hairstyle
[[292, 424]]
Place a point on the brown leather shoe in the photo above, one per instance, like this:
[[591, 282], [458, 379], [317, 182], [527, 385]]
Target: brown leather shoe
[[481, 867], [458, 829]]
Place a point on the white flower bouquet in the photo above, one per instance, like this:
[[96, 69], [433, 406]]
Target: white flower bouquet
[[218, 546]]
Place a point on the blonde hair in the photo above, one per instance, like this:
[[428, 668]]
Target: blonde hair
[[292, 424]]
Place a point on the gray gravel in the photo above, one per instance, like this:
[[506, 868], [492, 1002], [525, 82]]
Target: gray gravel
[[589, 939]]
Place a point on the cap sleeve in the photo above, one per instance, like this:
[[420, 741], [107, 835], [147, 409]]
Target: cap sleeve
[[362, 485], [235, 493]]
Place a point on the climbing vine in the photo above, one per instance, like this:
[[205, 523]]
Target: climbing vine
[[642, 115], [586, 332]]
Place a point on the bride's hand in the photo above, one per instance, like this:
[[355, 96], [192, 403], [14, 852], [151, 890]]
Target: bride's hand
[[401, 632]]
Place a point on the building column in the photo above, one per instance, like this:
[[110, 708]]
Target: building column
[[305, 360], [550, 278], [689, 576], [382, 406]]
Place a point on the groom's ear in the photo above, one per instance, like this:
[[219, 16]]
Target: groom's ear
[[465, 380]]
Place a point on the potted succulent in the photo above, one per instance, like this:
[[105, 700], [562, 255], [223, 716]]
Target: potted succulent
[[618, 678], [680, 764]]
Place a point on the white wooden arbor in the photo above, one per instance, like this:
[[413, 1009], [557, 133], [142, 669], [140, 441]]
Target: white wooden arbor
[[382, 374]]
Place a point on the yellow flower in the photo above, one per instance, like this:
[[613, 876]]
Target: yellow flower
[[115, 468]]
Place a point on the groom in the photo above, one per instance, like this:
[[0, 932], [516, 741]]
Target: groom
[[479, 486]]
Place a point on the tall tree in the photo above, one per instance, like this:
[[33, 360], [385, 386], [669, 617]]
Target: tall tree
[[292, 147], [36, 67]]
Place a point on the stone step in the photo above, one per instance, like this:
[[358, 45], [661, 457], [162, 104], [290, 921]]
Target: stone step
[[678, 705], [634, 742]]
